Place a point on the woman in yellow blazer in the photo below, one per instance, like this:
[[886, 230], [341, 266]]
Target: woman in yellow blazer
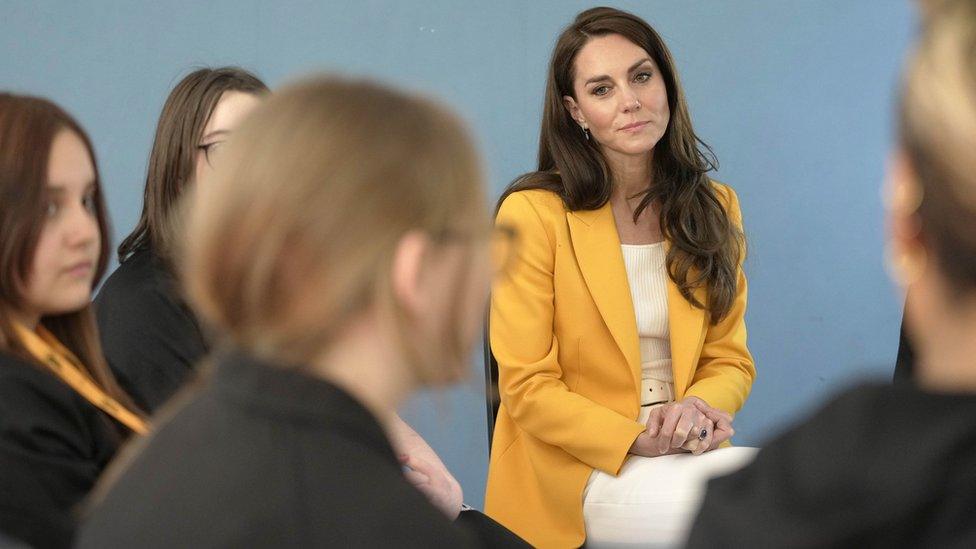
[[621, 172]]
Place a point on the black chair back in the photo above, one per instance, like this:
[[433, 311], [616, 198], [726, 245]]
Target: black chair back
[[492, 399]]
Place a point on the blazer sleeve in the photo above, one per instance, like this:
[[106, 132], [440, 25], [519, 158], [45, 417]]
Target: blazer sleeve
[[524, 344], [725, 369]]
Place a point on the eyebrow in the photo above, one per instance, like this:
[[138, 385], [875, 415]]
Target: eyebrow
[[60, 189], [215, 133], [603, 77]]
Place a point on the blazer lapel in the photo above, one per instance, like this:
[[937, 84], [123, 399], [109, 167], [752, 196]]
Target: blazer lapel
[[685, 322], [597, 249]]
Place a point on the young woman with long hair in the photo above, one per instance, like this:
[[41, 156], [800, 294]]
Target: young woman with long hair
[[62, 414]]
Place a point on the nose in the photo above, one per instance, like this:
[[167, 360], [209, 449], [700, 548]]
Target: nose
[[629, 101], [82, 228]]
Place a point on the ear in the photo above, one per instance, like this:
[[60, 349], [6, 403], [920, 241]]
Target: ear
[[574, 111], [903, 195], [408, 260]]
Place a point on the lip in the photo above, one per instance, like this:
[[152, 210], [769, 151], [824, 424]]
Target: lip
[[634, 126], [80, 269]]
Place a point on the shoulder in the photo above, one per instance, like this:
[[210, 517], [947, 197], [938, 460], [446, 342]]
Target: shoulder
[[196, 453], [141, 298], [140, 281], [852, 468], [728, 200], [22, 381], [858, 420], [543, 203], [849, 410], [726, 195]]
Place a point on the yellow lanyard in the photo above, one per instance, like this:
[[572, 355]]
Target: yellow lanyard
[[49, 351]]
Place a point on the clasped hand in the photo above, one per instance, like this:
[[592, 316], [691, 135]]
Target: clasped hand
[[677, 426]]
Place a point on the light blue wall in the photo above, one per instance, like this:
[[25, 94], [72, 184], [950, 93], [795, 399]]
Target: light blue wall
[[795, 96]]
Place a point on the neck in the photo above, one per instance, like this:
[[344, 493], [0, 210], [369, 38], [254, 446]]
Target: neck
[[631, 173], [947, 351], [363, 363], [27, 320]]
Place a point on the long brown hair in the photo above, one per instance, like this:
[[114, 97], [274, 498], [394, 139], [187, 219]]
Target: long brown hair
[[706, 245], [28, 126], [316, 190], [937, 134], [173, 158]]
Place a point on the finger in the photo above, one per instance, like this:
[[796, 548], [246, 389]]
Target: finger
[[689, 418], [671, 418], [654, 420], [709, 411], [721, 419], [720, 436], [722, 422], [719, 416], [705, 442]]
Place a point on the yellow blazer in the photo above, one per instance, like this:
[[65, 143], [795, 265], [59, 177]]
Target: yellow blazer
[[564, 333]]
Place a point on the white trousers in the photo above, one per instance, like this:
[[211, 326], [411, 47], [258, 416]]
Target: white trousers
[[653, 500]]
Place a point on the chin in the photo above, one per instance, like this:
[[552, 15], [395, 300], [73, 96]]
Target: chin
[[68, 305], [635, 149]]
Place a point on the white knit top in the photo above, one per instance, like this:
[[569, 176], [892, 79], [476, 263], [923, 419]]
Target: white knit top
[[648, 277]]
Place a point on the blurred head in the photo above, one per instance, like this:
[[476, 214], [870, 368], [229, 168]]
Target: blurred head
[[53, 230], [932, 179], [198, 116], [336, 201], [928, 6]]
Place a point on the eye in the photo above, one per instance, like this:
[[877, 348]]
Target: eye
[[642, 77], [52, 209], [601, 90], [89, 202], [210, 150]]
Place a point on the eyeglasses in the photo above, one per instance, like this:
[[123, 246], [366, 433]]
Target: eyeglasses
[[502, 246], [211, 151]]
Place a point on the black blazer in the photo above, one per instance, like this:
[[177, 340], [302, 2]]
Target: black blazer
[[150, 337], [54, 445], [881, 466], [263, 456]]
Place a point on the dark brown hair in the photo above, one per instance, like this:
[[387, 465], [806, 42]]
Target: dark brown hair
[[938, 132], [706, 245], [173, 158], [28, 126]]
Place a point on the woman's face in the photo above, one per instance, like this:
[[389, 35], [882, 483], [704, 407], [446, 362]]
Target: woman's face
[[230, 110], [620, 96], [69, 247]]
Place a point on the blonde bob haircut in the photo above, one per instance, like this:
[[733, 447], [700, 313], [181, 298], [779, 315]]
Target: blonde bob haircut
[[295, 233], [938, 135]]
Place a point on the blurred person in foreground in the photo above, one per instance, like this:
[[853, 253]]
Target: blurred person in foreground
[[341, 253], [887, 465]]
